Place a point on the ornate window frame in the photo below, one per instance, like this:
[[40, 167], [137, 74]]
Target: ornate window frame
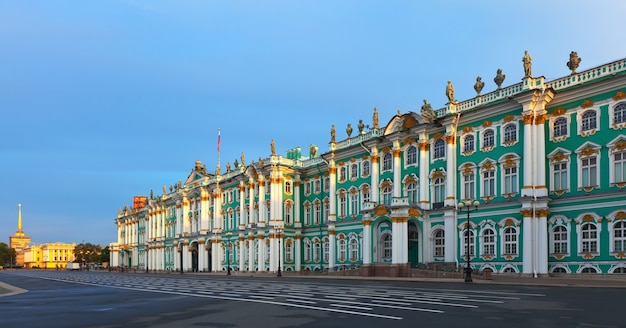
[[588, 151], [617, 146], [505, 134], [468, 172]]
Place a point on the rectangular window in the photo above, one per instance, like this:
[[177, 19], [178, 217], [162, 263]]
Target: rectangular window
[[619, 167], [354, 203], [510, 180], [469, 185], [489, 183], [589, 172], [560, 176]]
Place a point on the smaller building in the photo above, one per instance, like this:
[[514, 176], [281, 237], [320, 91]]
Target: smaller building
[[19, 241], [49, 256]]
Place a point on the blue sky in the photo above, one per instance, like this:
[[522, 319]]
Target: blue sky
[[104, 100]]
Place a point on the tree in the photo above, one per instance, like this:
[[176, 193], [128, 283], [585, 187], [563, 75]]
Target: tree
[[105, 255], [7, 255], [87, 253]]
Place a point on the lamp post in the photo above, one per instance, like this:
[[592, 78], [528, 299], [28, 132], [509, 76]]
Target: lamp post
[[228, 234], [467, 207], [279, 231], [147, 257]]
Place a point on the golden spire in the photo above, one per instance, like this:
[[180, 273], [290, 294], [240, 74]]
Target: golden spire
[[19, 232]]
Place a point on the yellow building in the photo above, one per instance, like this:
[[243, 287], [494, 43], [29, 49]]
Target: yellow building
[[19, 241], [49, 256]]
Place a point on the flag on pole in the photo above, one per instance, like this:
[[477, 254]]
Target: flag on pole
[[218, 139]]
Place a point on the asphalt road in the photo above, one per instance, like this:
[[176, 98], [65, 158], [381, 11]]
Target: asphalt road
[[103, 299]]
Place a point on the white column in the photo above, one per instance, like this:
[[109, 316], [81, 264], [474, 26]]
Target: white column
[[332, 242], [186, 225], [397, 170], [423, 175], [204, 210], [374, 194], [261, 261], [367, 239], [251, 200], [298, 251], [243, 220], [242, 253], [296, 200], [542, 244], [527, 252], [262, 205], [332, 204], [251, 254], [201, 265], [449, 226], [451, 174]]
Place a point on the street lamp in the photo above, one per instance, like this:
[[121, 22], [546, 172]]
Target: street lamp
[[147, 257], [467, 207], [228, 234], [279, 231]]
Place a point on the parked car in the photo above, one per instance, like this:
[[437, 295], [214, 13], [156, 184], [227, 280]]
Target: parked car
[[71, 266]]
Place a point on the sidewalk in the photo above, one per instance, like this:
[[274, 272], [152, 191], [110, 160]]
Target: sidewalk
[[587, 281]]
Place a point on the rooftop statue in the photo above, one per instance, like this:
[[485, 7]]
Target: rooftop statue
[[333, 134], [375, 119], [499, 78], [273, 147], [528, 64], [427, 112], [573, 62], [450, 92], [349, 130], [361, 126], [478, 86]]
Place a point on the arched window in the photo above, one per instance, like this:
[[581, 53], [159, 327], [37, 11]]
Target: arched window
[[589, 121], [354, 202], [619, 237], [354, 171], [440, 243], [559, 270], [488, 138], [589, 270], [560, 127], [325, 250], [386, 193], [288, 213], [510, 133], [589, 238], [559, 240], [342, 204], [439, 189], [354, 250], [342, 173], [510, 240], [342, 250], [307, 252], [387, 247], [387, 161], [365, 167], [468, 234], [468, 143], [439, 149], [318, 213], [411, 192], [288, 187], [509, 270], [411, 155], [489, 242], [288, 252], [619, 113]]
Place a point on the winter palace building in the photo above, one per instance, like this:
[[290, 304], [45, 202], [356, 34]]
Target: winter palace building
[[546, 161]]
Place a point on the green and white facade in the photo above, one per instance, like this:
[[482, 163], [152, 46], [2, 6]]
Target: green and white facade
[[545, 159]]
